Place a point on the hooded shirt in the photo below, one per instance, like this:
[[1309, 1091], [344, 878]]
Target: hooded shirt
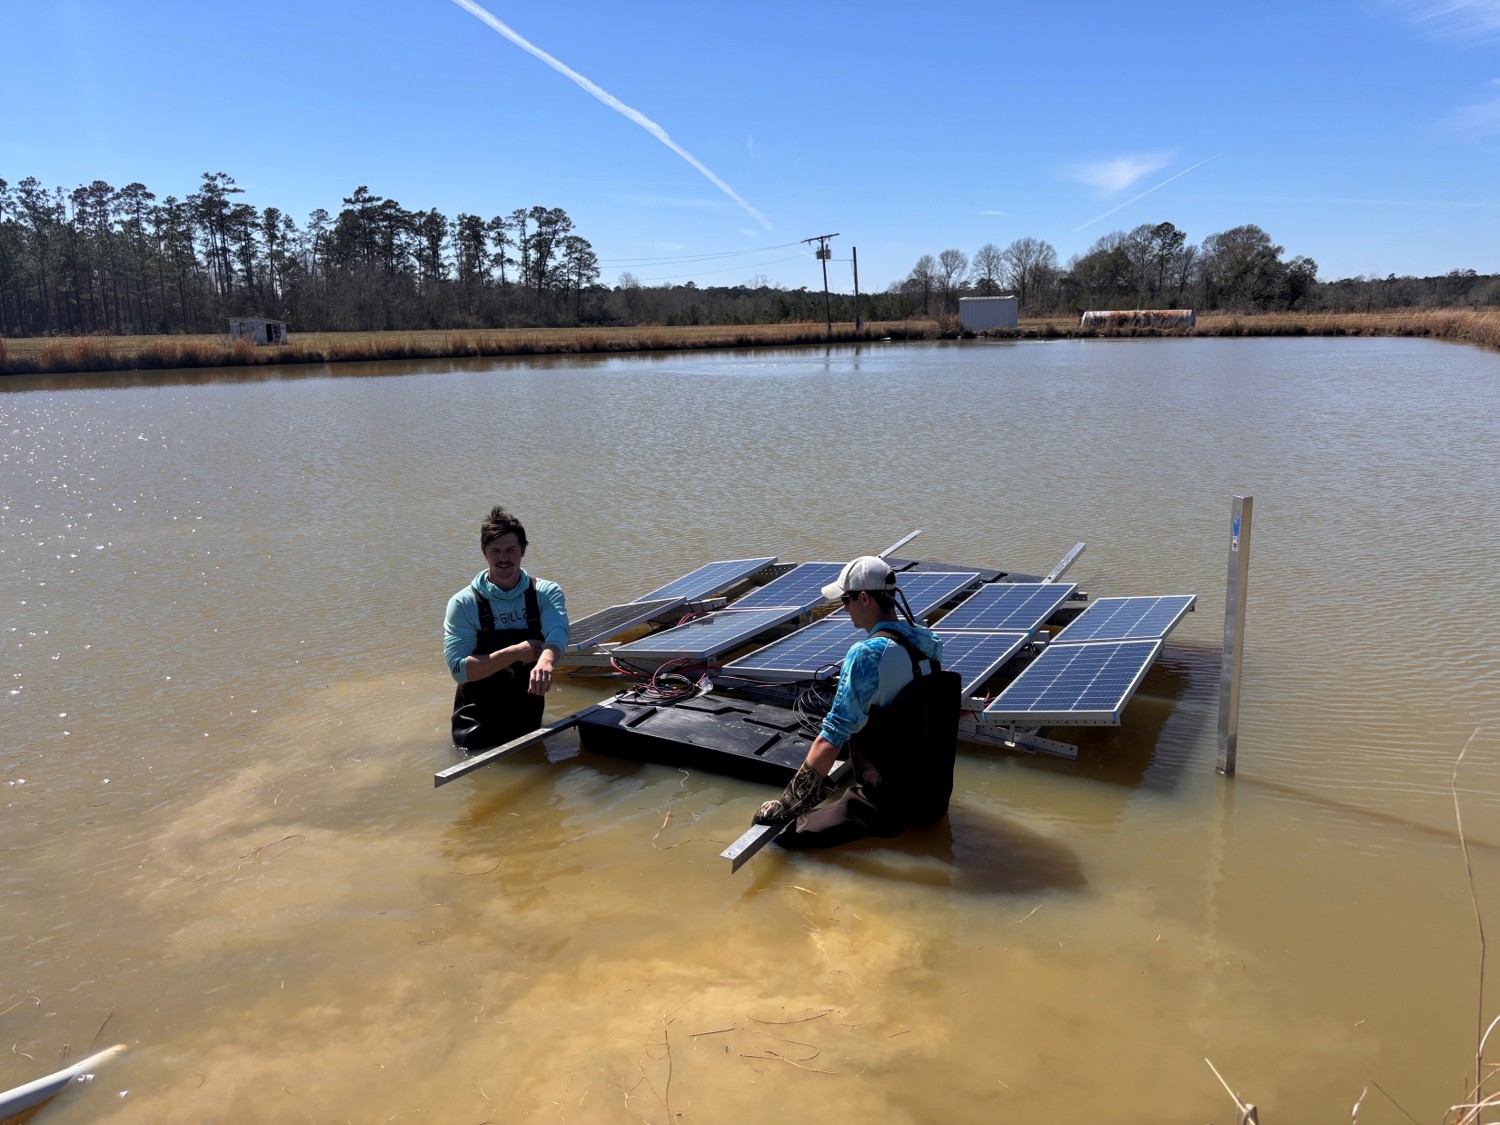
[[461, 623], [875, 670]]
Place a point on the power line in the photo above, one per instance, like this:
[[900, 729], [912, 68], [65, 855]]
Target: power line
[[710, 273], [706, 257]]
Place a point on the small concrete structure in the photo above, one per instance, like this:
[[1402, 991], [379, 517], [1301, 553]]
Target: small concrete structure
[[979, 314], [257, 330], [1139, 318]]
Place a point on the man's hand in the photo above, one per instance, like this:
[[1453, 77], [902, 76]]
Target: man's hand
[[541, 675], [804, 792]]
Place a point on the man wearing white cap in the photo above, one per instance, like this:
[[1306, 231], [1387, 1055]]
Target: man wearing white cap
[[895, 711]]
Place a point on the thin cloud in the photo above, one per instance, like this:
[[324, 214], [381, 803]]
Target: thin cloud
[[613, 102], [1110, 176], [1145, 193], [689, 204], [1005, 213], [1466, 22], [1476, 120], [1339, 201]]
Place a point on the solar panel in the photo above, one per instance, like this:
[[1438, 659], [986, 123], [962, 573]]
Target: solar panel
[[710, 578], [1126, 619], [589, 631], [1076, 685], [708, 635], [1009, 605], [926, 590], [802, 586], [801, 655], [977, 656]]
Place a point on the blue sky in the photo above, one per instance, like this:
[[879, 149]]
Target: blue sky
[[704, 140]]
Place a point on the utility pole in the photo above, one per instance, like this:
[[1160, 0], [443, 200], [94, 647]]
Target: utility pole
[[823, 255], [858, 320]]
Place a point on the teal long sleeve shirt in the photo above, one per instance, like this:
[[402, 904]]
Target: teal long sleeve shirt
[[461, 623], [875, 670]]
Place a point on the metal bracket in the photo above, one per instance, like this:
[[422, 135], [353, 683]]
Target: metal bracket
[[1067, 560], [976, 728]]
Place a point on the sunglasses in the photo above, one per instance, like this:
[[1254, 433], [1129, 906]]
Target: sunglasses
[[845, 599]]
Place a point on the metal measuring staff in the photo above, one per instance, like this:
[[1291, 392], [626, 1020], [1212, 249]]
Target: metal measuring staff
[[758, 836], [515, 745]]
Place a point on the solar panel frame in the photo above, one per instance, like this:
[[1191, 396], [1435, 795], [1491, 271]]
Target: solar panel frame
[[802, 587], [1076, 685], [1003, 606], [710, 578], [1136, 618], [615, 619], [707, 636], [976, 655], [803, 654]]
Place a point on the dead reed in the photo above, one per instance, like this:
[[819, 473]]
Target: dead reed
[[60, 355]]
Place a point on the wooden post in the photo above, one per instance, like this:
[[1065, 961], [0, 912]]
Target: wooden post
[[1235, 587]]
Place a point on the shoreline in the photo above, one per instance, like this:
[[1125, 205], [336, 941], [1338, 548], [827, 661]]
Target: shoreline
[[81, 354]]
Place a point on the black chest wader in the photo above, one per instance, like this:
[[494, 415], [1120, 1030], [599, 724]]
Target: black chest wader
[[499, 707], [903, 763]]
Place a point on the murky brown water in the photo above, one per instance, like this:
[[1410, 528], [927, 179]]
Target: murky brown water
[[224, 701]]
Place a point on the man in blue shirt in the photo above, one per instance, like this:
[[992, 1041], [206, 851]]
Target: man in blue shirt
[[501, 637], [895, 711]]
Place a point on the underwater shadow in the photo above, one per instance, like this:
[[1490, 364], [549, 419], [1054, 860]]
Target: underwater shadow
[[968, 850]]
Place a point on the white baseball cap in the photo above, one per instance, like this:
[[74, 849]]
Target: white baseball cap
[[868, 572]]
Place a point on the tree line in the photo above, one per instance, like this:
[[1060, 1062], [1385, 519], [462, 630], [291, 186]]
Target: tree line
[[107, 259], [120, 260], [1155, 266]]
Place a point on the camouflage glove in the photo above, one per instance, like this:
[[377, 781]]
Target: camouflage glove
[[805, 791]]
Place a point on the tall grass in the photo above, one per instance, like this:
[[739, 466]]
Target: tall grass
[[1480, 327]]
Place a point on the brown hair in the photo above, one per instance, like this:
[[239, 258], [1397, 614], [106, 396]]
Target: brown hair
[[500, 522]]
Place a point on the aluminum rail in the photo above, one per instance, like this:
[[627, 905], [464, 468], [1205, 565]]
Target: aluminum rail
[[758, 836]]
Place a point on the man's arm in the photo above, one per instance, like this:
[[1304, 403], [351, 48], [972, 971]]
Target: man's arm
[[461, 634], [555, 632]]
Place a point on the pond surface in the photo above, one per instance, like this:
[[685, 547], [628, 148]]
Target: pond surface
[[224, 702]]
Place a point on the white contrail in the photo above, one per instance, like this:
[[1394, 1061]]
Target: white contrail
[[1128, 202], [613, 102]]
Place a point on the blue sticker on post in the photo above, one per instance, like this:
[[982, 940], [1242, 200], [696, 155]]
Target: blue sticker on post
[[1235, 543]]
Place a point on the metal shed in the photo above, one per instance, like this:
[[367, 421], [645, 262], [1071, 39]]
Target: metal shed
[[978, 314], [257, 330]]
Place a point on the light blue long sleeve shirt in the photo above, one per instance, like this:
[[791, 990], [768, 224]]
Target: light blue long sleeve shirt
[[875, 670], [461, 623]]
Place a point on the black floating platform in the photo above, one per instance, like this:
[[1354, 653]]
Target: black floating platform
[[754, 741]]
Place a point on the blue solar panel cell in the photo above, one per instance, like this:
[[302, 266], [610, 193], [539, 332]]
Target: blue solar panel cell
[[801, 655], [928, 589], [802, 586], [976, 656], [1009, 605], [709, 579], [1076, 685], [706, 636], [589, 631], [1126, 619]]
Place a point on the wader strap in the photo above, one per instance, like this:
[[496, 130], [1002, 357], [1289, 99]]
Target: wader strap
[[486, 614], [920, 665], [533, 612]]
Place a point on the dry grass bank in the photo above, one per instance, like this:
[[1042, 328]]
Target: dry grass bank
[[147, 353], [126, 353], [1470, 326]]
